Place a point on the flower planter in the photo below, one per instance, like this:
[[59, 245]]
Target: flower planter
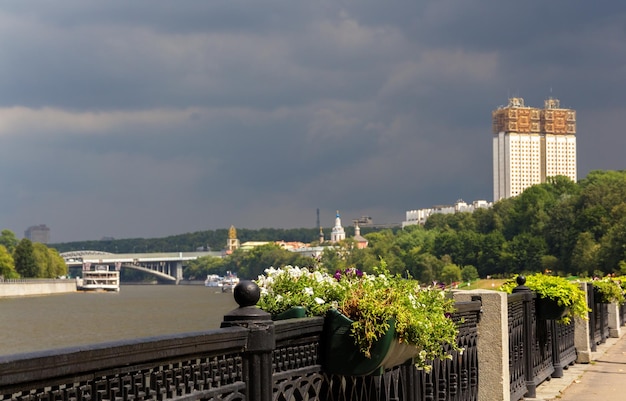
[[599, 297], [291, 313], [342, 356], [549, 309]]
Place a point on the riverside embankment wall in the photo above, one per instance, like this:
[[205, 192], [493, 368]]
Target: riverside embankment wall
[[18, 288]]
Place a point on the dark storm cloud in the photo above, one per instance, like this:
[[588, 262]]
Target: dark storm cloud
[[150, 118]]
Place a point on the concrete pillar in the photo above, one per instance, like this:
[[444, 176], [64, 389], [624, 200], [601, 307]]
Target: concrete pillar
[[614, 326], [582, 337], [179, 271], [493, 344]]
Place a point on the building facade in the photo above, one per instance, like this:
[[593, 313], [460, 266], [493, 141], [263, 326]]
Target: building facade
[[530, 145], [419, 216], [40, 233]]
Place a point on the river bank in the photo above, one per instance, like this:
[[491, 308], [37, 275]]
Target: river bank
[[21, 287]]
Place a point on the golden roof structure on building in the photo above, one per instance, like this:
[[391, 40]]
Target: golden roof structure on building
[[516, 117]]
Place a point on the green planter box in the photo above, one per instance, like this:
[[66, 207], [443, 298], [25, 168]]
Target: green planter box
[[291, 313], [341, 356]]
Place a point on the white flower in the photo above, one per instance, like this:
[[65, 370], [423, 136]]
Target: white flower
[[319, 300], [308, 291]]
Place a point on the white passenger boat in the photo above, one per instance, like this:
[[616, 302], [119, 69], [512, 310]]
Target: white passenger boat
[[229, 282], [213, 280], [100, 278]]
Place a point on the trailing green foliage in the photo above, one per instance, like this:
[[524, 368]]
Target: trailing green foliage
[[371, 301], [564, 292], [609, 291]]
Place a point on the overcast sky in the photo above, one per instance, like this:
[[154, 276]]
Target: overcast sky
[[149, 118]]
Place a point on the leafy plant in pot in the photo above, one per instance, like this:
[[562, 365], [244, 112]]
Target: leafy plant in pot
[[372, 321], [608, 291], [557, 298]]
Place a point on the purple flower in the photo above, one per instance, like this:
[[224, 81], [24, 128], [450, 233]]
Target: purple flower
[[352, 272], [337, 275]]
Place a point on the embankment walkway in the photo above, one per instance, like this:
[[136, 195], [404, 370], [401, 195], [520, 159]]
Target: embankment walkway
[[26, 287], [602, 379]]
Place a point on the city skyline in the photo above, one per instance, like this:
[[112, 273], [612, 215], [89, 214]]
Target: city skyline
[[141, 119]]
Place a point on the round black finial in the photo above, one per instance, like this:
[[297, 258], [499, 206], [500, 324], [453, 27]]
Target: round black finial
[[247, 293], [521, 280]]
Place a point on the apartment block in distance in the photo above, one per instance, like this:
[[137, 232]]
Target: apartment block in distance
[[531, 144], [40, 233]]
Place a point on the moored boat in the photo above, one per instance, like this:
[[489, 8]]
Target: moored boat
[[100, 278]]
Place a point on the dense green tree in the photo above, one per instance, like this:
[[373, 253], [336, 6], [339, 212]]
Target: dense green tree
[[49, 263], [382, 245], [24, 257], [549, 264], [198, 269], [531, 210], [451, 273], [448, 242], [490, 255], [427, 268], [600, 193], [7, 267], [613, 248], [527, 251], [463, 221], [585, 255], [487, 221], [8, 239], [560, 233], [469, 273]]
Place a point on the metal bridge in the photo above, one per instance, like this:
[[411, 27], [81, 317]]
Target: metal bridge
[[166, 265]]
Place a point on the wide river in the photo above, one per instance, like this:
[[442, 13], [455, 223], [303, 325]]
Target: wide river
[[53, 321]]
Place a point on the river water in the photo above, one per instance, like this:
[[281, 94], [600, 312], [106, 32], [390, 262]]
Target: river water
[[38, 323]]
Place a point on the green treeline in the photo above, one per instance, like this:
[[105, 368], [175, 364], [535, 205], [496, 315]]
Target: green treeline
[[25, 259], [560, 226], [214, 240]]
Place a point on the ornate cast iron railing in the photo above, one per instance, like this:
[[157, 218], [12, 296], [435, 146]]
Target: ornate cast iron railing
[[563, 348], [250, 358], [517, 377]]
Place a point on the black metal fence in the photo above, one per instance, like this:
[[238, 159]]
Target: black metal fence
[[540, 349], [249, 358]]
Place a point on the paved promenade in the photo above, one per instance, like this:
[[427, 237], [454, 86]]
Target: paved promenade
[[602, 379]]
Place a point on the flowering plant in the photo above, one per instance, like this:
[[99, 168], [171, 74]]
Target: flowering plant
[[421, 316]]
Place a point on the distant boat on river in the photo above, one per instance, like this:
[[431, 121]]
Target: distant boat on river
[[226, 283], [213, 280], [100, 278]]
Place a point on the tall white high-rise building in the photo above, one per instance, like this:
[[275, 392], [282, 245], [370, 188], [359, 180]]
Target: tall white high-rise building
[[531, 144]]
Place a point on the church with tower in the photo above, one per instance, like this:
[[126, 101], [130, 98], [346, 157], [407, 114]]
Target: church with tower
[[337, 233]]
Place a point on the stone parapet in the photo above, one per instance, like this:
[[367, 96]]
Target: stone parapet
[[493, 336]]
